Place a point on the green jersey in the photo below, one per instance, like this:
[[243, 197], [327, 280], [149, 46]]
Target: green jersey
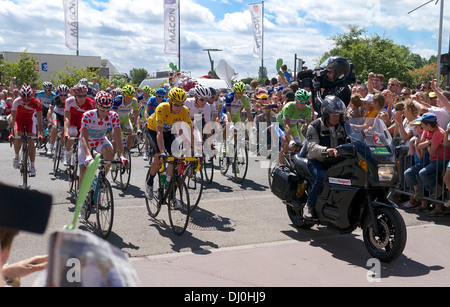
[[295, 115]]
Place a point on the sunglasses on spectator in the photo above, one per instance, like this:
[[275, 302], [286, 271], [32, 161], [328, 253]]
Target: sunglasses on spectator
[[393, 84], [405, 94]]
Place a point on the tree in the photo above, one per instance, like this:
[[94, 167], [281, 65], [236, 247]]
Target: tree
[[23, 70], [72, 75], [373, 53], [138, 75]]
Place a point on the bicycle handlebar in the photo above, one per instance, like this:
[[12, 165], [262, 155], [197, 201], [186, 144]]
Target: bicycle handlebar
[[188, 159]]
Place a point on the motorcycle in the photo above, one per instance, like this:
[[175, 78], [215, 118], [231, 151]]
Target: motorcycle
[[356, 189]]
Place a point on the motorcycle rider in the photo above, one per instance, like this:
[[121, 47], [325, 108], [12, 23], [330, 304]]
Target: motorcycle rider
[[323, 135]]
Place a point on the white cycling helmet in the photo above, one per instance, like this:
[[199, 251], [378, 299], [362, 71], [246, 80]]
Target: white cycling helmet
[[202, 91]]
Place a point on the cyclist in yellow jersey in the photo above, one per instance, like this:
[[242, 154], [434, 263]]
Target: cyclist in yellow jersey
[[160, 135]]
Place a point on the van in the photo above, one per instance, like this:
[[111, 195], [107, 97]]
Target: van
[[154, 82], [217, 84]]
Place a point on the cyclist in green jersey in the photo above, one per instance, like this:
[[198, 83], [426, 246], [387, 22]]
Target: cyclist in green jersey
[[292, 113]]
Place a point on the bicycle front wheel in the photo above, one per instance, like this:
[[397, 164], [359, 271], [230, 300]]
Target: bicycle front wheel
[[105, 208], [179, 207], [208, 168], [125, 172], [154, 202], [194, 183], [223, 159], [57, 156], [240, 164]]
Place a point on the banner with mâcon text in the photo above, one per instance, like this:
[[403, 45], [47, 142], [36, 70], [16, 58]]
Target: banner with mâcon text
[[171, 29], [71, 22], [256, 10]]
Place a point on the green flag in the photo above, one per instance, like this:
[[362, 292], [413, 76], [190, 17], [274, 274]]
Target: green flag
[[279, 64], [88, 178]]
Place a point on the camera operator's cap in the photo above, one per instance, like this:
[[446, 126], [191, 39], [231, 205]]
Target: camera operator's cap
[[368, 98], [428, 117], [432, 95]]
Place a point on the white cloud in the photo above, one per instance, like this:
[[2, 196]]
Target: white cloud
[[130, 32]]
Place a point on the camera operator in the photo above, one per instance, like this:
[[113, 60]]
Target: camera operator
[[331, 78]]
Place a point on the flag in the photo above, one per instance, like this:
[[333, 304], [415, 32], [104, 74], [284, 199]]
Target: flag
[[256, 10], [71, 22], [171, 30]]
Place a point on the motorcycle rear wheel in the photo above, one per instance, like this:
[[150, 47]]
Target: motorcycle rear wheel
[[391, 241], [295, 212]]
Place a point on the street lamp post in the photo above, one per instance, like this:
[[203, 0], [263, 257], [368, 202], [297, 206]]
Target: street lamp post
[[209, 55]]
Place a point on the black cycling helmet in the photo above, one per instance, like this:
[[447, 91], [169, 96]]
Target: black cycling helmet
[[332, 105], [339, 65]]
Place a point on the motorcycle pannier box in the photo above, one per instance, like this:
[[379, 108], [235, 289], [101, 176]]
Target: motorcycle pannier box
[[284, 183]]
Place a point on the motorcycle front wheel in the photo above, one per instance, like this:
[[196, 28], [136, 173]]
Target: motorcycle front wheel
[[390, 242]]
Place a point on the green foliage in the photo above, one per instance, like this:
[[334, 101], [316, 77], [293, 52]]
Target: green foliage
[[72, 75], [373, 53], [138, 75], [23, 70]]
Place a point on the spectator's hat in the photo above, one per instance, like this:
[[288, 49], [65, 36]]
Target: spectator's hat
[[432, 95], [428, 117], [262, 93], [368, 98]]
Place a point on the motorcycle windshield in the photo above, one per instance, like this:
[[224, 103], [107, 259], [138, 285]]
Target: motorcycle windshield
[[370, 131]]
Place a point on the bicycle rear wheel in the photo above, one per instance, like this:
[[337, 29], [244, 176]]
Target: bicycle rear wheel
[[73, 174], [154, 203], [240, 164], [105, 208], [24, 168], [179, 208]]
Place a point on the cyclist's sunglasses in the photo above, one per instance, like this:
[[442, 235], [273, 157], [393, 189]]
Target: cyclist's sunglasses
[[301, 101], [180, 105]]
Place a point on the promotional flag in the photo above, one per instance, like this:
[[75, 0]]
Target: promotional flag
[[71, 22], [171, 29], [256, 10]]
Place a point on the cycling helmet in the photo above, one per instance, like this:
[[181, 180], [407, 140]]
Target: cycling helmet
[[117, 91], [104, 100], [202, 91], [192, 92], [62, 89], [213, 91], [128, 90], [80, 88], [240, 87], [47, 85], [332, 105], [160, 91], [302, 94], [26, 92], [147, 89], [339, 65], [177, 95], [84, 81]]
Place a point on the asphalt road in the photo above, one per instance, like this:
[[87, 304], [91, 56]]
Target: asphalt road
[[229, 216]]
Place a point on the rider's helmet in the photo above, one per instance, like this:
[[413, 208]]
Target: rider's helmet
[[84, 81], [117, 91], [62, 89], [202, 91], [160, 92], [104, 100], [332, 105], [177, 95], [240, 87], [213, 91], [337, 65], [80, 89], [128, 90], [148, 90], [302, 95], [26, 92], [47, 85]]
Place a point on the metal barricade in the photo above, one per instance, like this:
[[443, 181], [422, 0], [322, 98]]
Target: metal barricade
[[406, 161]]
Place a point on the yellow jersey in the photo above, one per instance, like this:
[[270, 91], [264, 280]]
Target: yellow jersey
[[162, 117]]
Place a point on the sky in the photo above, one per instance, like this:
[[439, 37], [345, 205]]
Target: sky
[[130, 33]]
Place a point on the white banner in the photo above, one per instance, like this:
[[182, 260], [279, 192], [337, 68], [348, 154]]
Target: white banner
[[256, 10], [71, 22], [171, 30]]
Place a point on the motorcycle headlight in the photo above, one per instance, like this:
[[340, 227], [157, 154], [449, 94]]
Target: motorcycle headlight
[[386, 172]]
